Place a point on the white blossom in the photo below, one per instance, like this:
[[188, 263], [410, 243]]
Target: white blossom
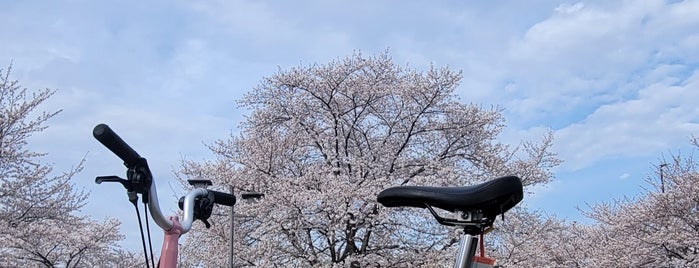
[[323, 140]]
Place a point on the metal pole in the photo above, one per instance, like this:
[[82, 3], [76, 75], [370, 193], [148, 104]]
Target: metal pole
[[232, 229], [662, 180], [467, 249]]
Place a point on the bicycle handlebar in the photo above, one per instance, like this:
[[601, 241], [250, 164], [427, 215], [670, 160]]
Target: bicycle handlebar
[[114, 143], [132, 159], [157, 214], [222, 198]]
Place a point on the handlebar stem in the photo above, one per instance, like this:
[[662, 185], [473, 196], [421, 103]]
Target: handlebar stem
[[188, 209], [154, 208]]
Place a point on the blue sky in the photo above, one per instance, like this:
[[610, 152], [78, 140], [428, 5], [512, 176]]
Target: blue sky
[[616, 80]]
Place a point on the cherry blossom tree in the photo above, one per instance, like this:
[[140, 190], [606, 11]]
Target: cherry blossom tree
[[323, 140], [531, 239], [659, 228], [38, 221]]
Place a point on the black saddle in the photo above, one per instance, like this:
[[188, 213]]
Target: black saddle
[[493, 197]]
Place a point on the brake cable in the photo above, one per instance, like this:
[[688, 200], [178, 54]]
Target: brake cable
[[134, 201]]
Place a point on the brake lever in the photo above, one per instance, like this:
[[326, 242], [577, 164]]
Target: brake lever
[[101, 179]]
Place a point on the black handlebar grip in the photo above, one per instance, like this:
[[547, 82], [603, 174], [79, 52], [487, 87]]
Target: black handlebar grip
[[223, 198], [114, 143]]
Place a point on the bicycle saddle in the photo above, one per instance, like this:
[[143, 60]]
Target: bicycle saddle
[[493, 197]]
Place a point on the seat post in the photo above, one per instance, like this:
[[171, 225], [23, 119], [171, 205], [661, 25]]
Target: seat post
[[466, 252]]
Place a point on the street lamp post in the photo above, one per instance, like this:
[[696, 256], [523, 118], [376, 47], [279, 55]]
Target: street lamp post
[[232, 229], [662, 180], [244, 196]]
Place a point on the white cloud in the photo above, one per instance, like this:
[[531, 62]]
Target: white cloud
[[660, 117], [613, 78], [584, 54]]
